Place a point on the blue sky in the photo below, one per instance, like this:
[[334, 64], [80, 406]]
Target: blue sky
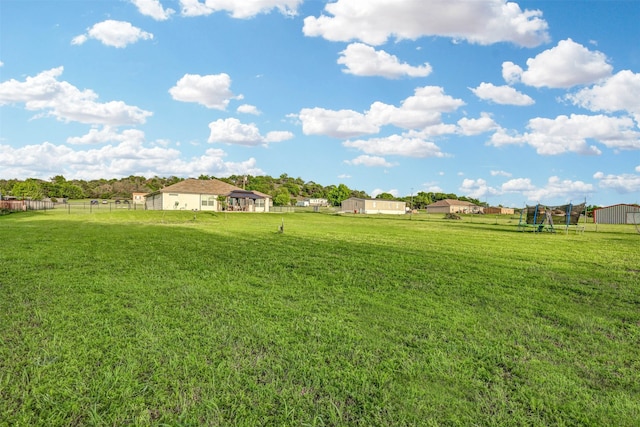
[[506, 102]]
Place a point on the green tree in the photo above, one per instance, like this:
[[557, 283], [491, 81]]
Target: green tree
[[283, 198], [421, 200], [29, 189], [385, 196], [71, 191], [338, 194]]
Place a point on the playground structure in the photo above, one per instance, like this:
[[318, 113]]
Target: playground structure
[[541, 218]]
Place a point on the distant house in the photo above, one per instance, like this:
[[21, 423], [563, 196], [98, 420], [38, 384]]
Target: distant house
[[207, 195], [453, 206], [310, 201], [497, 210], [617, 214], [138, 198], [317, 201], [374, 206]]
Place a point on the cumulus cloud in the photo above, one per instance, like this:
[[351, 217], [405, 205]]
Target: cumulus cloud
[[248, 109], [370, 161], [572, 133], [363, 60], [212, 91], [620, 92], [153, 8], [482, 22], [555, 190], [477, 188], [107, 134], [500, 173], [422, 111], [483, 124], [128, 157], [113, 33], [60, 99], [239, 9], [623, 183], [396, 145], [338, 124], [504, 95], [232, 131], [563, 66]]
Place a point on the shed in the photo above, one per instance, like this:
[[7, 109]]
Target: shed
[[499, 210], [374, 206], [446, 206], [616, 214]]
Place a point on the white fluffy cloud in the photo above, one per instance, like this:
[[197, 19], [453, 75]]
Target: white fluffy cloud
[[555, 189], [113, 33], [248, 109], [572, 133], [482, 22], [128, 157], [621, 92], [232, 131], [370, 161], [563, 66], [623, 183], [421, 111], [363, 60], [64, 101], [153, 8], [338, 124], [504, 95], [212, 91], [396, 145], [107, 134], [477, 126], [239, 9], [477, 188]]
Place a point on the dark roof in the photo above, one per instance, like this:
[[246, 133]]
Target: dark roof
[[243, 194]]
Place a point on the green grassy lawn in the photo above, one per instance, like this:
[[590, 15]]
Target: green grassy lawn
[[123, 317]]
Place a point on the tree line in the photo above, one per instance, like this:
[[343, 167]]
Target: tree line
[[285, 190]]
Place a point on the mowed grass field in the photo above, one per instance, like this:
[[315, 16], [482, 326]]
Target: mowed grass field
[[175, 318]]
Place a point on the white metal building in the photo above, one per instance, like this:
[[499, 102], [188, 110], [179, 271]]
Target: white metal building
[[616, 214]]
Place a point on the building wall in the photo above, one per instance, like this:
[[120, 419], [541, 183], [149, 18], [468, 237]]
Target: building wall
[[138, 198], [353, 205], [439, 209], [499, 211], [378, 206], [616, 214]]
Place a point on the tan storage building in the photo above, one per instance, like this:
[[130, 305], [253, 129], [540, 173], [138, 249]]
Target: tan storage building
[[453, 206], [496, 210], [374, 206]]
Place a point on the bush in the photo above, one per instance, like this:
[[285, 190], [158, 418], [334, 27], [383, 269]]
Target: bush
[[452, 216]]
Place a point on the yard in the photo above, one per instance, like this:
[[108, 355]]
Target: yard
[[181, 318]]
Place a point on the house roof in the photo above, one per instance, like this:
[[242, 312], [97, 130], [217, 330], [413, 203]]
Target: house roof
[[450, 202], [375, 200], [199, 186], [206, 186]]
